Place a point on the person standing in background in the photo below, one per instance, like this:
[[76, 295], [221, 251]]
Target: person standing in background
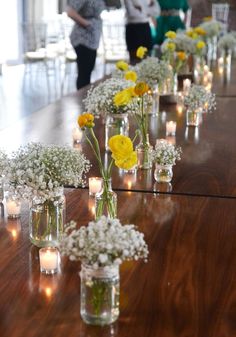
[[85, 35], [138, 30], [169, 18]]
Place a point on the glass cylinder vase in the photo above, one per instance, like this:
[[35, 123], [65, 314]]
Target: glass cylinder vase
[[154, 101], [163, 173], [143, 150], [106, 201], [193, 117], [116, 124], [226, 56], [1, 189], [100, 291], [46, 222]]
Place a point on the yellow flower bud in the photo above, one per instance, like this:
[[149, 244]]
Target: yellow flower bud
[[170, 34], [131, 76], [121, 65], [141, 51]]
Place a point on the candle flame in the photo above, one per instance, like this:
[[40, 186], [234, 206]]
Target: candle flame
[[48, 291]]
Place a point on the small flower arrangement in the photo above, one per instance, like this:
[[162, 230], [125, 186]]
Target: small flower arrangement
[[200, 48], [165, 153], [4, 162], [104, 243], [211, 27], [99, 99], [40, 171], [199, 98], [153, 72], [227, 42]]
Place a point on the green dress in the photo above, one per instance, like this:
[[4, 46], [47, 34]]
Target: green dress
[[166, 23]]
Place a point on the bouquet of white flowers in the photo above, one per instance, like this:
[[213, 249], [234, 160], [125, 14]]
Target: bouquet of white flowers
[[212, 28], [99, 99], [153, 72], [41, 171], [103, 243], [199, 97], [165, 153], [227, 42]]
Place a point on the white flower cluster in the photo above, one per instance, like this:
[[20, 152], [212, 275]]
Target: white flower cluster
[[99, 99], [153, 72], [4, 162], [212, 28], [227, 42], [165, 153], [184, 43], [103, 243], [41, 171], [199, 98]]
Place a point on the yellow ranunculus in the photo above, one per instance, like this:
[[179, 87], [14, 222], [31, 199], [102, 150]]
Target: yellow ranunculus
[[86, 120], [121, 65], [127, 162], [123, 97], [181, 55], [200, 45], [141, 51], [170, 34], [141, 88], [171, 46], [131, 76], [191, 33], [200, 31], [120, 146]]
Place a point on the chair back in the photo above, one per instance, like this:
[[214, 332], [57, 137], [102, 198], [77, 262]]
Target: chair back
[[220, 12]]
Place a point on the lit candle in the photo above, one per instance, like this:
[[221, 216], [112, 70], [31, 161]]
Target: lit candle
[[13, 208], [95, 185], [170, 128], [77, 135], [210, 77], [220, 61], [179, 108], [171, 140], [221, 70], [186, 86], [49, 260], [206, 69]]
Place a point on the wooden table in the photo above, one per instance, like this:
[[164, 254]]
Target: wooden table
[[187, 288]]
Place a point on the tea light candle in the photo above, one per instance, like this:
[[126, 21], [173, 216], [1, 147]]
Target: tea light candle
[[95, 185], [49, 260], [170, 128], [186, 86], [210, 77], [77, 135], [220, 61], [13, 208], [171, 140], [206, 69]]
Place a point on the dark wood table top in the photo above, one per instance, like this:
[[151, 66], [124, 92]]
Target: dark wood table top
[[187, 288]]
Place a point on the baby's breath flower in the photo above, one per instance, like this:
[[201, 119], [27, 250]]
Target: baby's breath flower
[[165, 153], [199, 97]]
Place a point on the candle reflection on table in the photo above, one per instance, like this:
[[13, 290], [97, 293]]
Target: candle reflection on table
[[13, 227]]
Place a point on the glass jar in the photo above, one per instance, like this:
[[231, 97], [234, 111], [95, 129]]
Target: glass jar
[[116, 124], [163, 173], [226, 56], [144, 150], [211, 49], [154, 101], [13, 207], [46, 222], [1, 190], [193, 117], [106, 201], [198, 69], [100, 292]]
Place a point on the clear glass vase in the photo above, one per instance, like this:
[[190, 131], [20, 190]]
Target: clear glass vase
[[46, 222], [226, 56], [193, 117], [1, 189], [106, 201], [211, 49], [163, 173], [144, 149], [116, 124], [100, 292], [154, 101], [198, 69]]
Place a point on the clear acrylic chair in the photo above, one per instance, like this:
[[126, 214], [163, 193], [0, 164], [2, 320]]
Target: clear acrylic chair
[[220, 12]]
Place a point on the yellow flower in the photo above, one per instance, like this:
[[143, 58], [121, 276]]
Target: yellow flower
[[86, 120], [131, 76], [141, 51], [123, 97], [170, 34], [200, 31], [141, 88], [120, 146], [200, 45], [192, 34], [171, 46], [181, 55], [121, 65], [127, 162], [207, 18]]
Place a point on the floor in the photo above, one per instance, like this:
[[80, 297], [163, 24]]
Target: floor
[[24, 90]]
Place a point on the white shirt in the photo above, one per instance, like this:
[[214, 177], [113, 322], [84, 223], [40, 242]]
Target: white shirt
[[139, 11]]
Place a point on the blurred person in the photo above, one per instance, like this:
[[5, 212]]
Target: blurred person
[[138, 30], [169, 18], [85, 35]]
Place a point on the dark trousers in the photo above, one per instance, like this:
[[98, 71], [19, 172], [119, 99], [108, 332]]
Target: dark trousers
[[86, 59]]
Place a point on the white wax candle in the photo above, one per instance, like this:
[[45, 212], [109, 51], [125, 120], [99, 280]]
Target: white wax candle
[[206, 69], [186, 85], [49, 260], [95, 185], [170, 128], [77, 135], [13, 208]]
